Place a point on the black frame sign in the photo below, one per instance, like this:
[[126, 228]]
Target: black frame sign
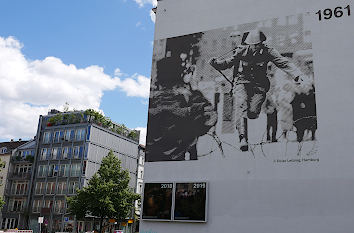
[[157, 203], [184, 202], [190, 202]]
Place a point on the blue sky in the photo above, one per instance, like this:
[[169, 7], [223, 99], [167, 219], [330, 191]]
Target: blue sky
[[52, 47]]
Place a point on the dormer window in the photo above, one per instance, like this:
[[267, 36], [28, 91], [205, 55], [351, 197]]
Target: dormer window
[[3, 150]]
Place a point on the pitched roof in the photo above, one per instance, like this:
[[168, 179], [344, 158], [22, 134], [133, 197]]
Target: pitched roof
[[11, 145]]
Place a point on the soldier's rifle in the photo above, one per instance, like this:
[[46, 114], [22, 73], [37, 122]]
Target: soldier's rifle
[[232, 82]]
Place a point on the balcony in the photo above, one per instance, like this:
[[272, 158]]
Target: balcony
[[20, 176], [20, 159], [13, 209], [14, 192], [46, 211]]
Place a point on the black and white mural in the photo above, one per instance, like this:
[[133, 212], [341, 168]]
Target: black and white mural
[[241, 90]]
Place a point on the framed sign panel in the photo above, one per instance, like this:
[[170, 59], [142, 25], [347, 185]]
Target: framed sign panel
[[190, 202], [157, 203]]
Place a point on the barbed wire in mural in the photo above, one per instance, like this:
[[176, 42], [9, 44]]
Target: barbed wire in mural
[[220, 144]]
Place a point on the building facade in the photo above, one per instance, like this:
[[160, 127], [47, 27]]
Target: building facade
[[68, 152], [139, 183], [14, 180]]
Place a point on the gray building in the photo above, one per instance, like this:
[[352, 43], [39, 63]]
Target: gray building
[[69, 148]]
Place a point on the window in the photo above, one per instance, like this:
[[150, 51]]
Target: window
[[75, 169], [46, 137], [47, 203], [42, 170], [9, 223], [19, 188], [22, 170], [69, 135], [80, 134], [84, 168], [140, 188], [50, 188], [59, 206], [282, 21], [40, 187], [3, 150], [16, 204], [81, 151], [61, 188], [64, 170], [141, 160], [45, 153], [80, 226], [50, 170], [293, 19], [53, 170], [66, 152], [56, 137], [73, 185], [76, 152], [26, 153], [36, 206], [56, 153]]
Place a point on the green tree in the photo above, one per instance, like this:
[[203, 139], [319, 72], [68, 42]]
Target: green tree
[[107, 194]]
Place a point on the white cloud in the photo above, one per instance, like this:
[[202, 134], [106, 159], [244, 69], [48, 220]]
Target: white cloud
[[142, 139], [137, 85], [141, 3], [118, 72], [152, 16], [30, 88], [153, 3], [138, 24]]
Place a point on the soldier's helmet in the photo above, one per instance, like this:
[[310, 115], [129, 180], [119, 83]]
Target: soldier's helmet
[[254, 37]]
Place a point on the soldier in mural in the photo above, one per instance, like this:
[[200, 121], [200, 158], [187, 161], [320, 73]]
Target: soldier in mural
[[249, 63]]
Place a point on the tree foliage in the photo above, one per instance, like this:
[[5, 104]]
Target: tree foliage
[[107, 194]]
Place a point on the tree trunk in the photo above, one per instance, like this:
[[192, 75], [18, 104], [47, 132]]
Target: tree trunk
[[101, 224]]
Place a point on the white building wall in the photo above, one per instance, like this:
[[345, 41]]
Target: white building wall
[[102, 141], [249, 195]]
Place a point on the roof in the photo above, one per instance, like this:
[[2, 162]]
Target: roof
[[31, 144], [11, 145]]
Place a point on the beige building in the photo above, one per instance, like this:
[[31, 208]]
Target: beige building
[[6, 149]]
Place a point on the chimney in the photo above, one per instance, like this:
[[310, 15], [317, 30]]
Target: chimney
[[53, 111]]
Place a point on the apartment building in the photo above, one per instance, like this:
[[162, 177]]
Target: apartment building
[[68, 152], [13, 188]]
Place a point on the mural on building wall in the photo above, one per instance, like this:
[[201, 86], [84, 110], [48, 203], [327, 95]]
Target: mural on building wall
[[244, 89]]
